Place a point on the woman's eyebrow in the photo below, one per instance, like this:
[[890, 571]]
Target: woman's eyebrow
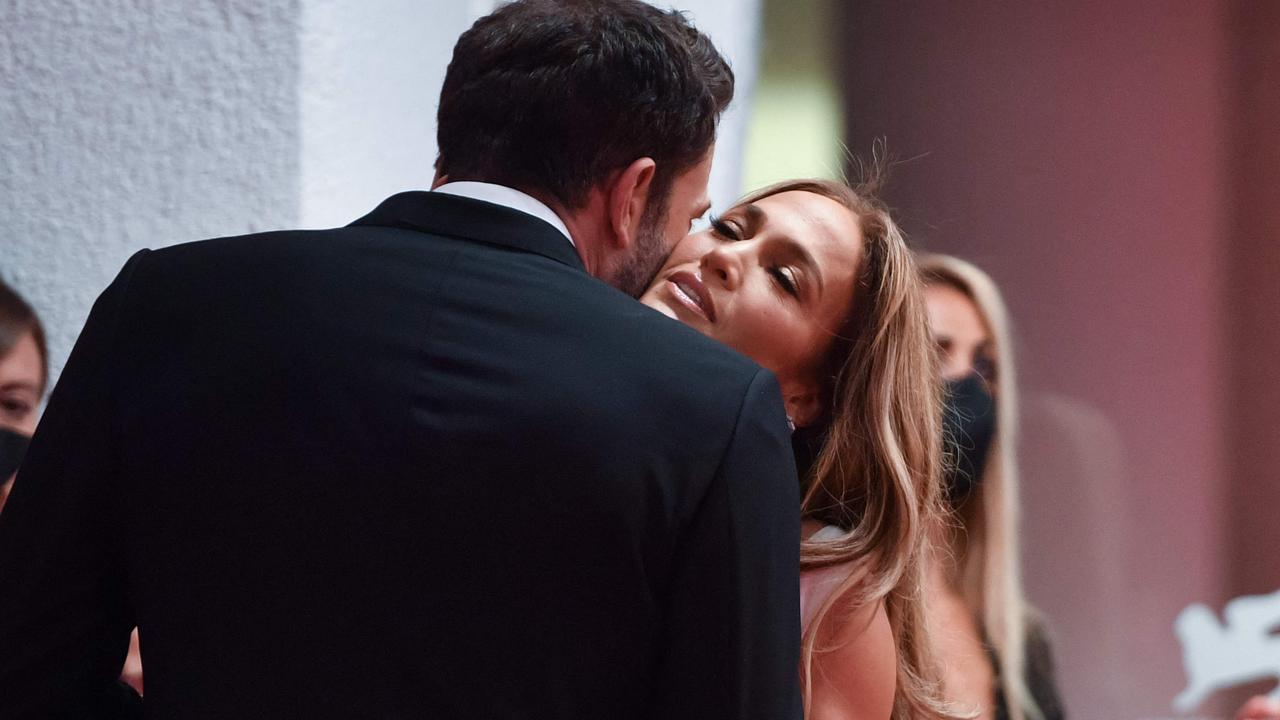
[[20, 385], [796, 252], [756, 218], [806, 258]]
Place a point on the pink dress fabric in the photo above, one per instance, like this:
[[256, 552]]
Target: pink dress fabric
[[816, 586]]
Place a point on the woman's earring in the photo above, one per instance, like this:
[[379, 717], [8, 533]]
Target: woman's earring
[[791, 423]]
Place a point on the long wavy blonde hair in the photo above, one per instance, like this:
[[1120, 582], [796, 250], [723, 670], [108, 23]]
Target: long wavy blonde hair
[[876, 473], [985, 547]]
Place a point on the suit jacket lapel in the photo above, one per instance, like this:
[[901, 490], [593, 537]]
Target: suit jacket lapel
[[454, 216]]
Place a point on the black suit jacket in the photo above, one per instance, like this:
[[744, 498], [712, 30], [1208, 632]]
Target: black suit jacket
[[422, 466]]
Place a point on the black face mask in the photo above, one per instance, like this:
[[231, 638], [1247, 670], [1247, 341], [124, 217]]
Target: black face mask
[[13, 446], [969, 425]]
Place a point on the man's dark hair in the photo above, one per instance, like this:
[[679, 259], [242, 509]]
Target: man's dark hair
[[554, 95]]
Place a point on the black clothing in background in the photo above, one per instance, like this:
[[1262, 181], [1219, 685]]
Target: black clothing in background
[[1039, 676], [422, 466]]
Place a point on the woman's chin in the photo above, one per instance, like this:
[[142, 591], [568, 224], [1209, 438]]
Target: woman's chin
[[650, 298]]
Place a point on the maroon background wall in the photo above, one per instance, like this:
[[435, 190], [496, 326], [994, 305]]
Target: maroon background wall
[[1114, 165], [1254, 311]]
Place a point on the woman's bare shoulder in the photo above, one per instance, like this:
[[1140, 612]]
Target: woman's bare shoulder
[[855, 665]]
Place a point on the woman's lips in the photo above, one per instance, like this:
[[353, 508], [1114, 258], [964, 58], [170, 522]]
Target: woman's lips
[[690, 291]]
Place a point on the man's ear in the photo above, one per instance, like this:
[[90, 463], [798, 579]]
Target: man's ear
[[803, 402], [628, 196]]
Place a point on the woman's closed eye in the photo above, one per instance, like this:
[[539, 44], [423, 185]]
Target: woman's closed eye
[[15, 409], [984, 362], [786, 279], [726, 229]]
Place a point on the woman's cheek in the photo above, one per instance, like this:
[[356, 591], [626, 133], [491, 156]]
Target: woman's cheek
[[691, 249], [769, 327]]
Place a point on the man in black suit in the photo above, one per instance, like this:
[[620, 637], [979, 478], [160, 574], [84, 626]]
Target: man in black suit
[[428, 465]]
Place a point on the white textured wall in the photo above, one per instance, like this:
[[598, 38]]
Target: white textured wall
[[142, 123], [128, 124], [371, 75], [734, 25]]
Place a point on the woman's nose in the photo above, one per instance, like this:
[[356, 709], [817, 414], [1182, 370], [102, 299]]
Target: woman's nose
[[723, 265]]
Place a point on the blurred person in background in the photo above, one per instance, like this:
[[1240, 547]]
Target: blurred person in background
[[24, 372], [994, 653], [24, 375]]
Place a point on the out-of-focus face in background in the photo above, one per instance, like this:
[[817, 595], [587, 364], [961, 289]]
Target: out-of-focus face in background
[[21, 377], [963, 339], [21, 383]]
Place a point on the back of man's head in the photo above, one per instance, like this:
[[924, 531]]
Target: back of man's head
[[552, 96]]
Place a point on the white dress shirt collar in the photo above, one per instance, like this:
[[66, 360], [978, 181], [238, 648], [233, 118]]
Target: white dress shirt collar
[[507, 197]]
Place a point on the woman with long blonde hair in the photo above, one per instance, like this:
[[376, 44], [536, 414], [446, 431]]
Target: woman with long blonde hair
[[813, 280], [994, 652]]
